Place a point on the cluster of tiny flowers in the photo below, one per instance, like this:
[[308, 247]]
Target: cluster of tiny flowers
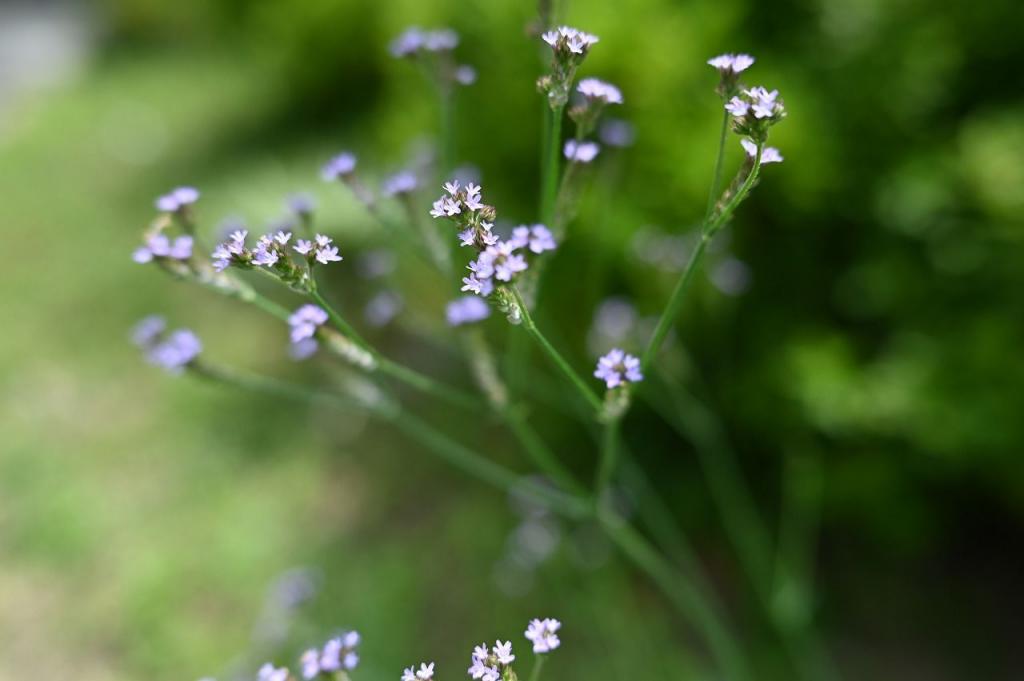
[[160, 246], [172, 351], [338, 653], [269, 672], [542, 634], [339, 167], [488, 665], [302, 204], [305, 321], [730, 66], [618, 368], [424, 673], [402, 182], [768, 154], [270, 250], [581, 152], [466, 310], [177, 199], [566, 39], [570, 47], [464, 205], [595, 89], [414, 40], [754, 110]]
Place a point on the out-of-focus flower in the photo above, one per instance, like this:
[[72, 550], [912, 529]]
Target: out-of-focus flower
[[301, 203], [339, 167], [382, 308], [537, 238], [402, 182], [731, 63], [269, 672], [598, 90], [465, 74], [581, 152], [466, 310], [177, 199], [768, 154], [173, 353], [149, 329], [542, 634], [616, 133], [305, 321], [160, 246], [618, 368]]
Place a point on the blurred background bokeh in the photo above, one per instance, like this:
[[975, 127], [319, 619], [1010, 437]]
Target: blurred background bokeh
[[859, 337]]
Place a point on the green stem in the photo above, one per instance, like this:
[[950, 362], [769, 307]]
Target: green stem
[[550, 175], [341, 324], [680, 592], [717, 177], [609, 457], [708, 230], [554, 355], [538, 664], [540, 453]]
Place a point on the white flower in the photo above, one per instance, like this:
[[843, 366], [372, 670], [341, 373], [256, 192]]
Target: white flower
[[593, 88], [768, 154], [581, 152], [542, 634], [503, 651], [425, 672]]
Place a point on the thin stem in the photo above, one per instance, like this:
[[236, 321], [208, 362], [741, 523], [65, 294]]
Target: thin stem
[[550, 175], [341, 324], [538, 664], [708, 230], [680, 592], [609, 456], [540, 453], [717, 178], [554, 355]]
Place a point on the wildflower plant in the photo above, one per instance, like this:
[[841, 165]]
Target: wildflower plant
[[490, 268]]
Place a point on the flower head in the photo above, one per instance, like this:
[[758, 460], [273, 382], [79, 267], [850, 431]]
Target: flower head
[[269, 672], [616, 133], [542, 634], [466, 310], [413, 40], [581, 152], [177, 199], [145, 333], [465, 74], [339, 167], [618, 368], [403, 182], [339, 653], [174, 352], [598, 90], [537, 238], [160, 246], [310, 662], [305, 321], [302, 204], [731, 63], [754, 110], [503, 651], [566, 39], [424, 673]]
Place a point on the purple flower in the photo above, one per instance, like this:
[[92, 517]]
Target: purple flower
[[618, 368], [339, 167], [466, 310], [737, 107], [731, 64], [305, 321], [303, 246], [175, 352], [403, 182], [407, 43], [425, 672], [270, 673], [382, 308], [264, 254], [177, 199], [581, 152], [142, 255], [481, 287], [301, 203], [503, 651], [537, 238], [414, 39], [310, 662], [465, 74], [768, 154], [441, 40], [595, 89], [542, 634], [181, 249], [328, 254], [616, 133], [565, 38], [149, 329]]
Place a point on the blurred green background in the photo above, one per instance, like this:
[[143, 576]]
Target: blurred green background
[[864, 332]]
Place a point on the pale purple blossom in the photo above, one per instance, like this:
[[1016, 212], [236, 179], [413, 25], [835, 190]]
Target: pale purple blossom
[[596, 89], [382, 308], [322, 240], [413, 39], [764, 101], [181, 249], [328, 254], [301, 203], [402, 182], [618, 368], [616, 133], [503, 651], [466, 310], [303, 246], [282, 237], [145, 333], [537, 238], [176, 351], [339, 653], [160, 246], [310, 662], [729, 64], [542, 634], [264, 254], [440, 40], [305, 321], [581, 152], [339, 167], [177, 199], [768, 154], [407, 43], [481, 287], [465, 74], [142, 255], [424, 673], [269, 672], [568, 38], [737, 107]]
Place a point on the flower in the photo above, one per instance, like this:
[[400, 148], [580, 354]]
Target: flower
[[466, 310], [537, 238], [568, 39], [503, 651], [339, 167], [581, 152], [229, 251], [301, 203], [149, 329], [542, 634], [425, 672], [402, 182], [339, 652], [310, 662], [616, 133], [411, 41], [328, 254], [264, 254], [618, 368], [737, 107], [382, 308], [407, 43], [303, 246], [481, 287], [160, 246], [768, 154], [177, 199], [270, 673], [730, 64], [305, 321], [465, 74], [595, 89], [175, 352]]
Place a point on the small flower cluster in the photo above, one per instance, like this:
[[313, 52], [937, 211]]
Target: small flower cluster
[[304, 323], [768, 154], [618, 368], [160, 247], [339, 167], [542, 633], [177, 200], [595, 95], [466, 310], [570, 47], [401, 183], [755, 110], [416, 43], [272, 253], [464, 206], [269, 672], [489, 665], [730, 66], [502, 261], [424, 673], [337, 654], [581, 152], [172, 351]]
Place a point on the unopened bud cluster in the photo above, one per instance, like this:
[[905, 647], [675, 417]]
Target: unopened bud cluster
[[570, 47]]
